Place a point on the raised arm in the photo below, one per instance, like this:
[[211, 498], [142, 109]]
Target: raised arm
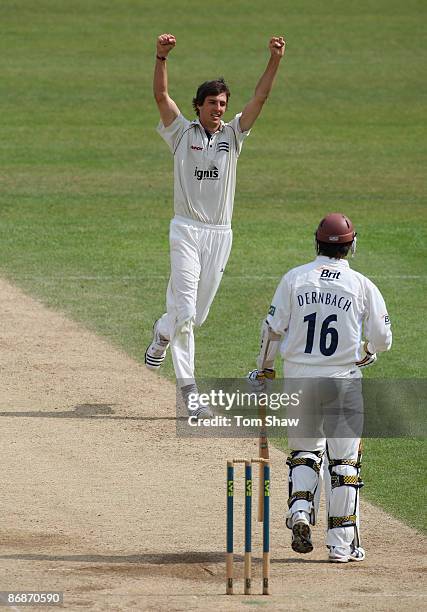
[[253, 108], [167, 108]]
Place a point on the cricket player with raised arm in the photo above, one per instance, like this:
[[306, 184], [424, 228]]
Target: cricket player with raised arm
[[205, 152], [329, 322]]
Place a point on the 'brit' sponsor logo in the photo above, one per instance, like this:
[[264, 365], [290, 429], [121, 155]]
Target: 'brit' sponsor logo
[[330, 275], [212, 174], [196, 148]]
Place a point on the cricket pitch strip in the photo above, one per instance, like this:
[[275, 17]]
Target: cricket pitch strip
[[101, 500]]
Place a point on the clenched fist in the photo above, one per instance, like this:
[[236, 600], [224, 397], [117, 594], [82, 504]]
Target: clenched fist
[[277, 46], [165, 43]]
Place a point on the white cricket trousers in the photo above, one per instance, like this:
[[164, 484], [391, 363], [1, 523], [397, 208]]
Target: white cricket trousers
[[199, 253], [342, 500]]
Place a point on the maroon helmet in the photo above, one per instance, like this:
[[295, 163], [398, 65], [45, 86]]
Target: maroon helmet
[[335, 228]]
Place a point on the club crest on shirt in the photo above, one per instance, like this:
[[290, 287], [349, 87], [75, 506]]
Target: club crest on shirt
[[223, 146]]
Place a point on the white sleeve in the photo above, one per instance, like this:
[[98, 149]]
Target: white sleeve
[[174, 131], [279, 313], [239, 135], [377, 326]]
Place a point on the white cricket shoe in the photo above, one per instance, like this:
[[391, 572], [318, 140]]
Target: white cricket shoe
[[156, 352], [201, 412], [338, 554], [195, 408], [301, 533]]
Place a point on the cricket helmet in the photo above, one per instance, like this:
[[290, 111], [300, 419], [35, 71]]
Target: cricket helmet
[[335, 228]]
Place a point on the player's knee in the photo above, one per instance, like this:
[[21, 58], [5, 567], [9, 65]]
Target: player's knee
[[184, 326], [304, 469], [312, 460], [345, 475], [344, 470]]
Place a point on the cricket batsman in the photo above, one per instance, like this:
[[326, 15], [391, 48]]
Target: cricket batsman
[[205, 151], [330, 322]]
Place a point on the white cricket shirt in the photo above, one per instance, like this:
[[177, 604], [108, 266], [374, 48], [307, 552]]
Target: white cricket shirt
[[321, 307], [204, 169]]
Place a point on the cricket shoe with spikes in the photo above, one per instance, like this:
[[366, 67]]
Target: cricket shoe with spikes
[[301, 534], [156, 352]]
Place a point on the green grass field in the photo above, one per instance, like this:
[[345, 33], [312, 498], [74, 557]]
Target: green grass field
[[86, 183]]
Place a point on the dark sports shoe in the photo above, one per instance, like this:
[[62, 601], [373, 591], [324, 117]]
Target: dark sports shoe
[[156, 352], [301, 537]]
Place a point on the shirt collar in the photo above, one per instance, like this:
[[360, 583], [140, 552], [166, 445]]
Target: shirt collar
[[322, 259], [221, 127]]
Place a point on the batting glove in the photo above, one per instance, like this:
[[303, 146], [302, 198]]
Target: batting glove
[[258, 378], [367, 359]]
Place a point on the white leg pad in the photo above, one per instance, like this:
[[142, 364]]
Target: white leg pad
[[303, 478], [343, 502]]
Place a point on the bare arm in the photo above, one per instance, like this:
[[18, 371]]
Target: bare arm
[[167, 108], [253, 108]]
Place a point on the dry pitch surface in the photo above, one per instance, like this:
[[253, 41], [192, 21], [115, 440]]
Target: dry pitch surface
[[102, 501]]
